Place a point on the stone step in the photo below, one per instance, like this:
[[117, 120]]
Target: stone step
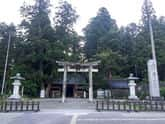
[[69, 104]]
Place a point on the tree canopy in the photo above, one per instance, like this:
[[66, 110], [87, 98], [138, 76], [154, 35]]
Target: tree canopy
[[39, 41]]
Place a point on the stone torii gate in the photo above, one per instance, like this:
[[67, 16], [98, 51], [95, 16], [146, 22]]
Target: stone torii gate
[[81, 67]]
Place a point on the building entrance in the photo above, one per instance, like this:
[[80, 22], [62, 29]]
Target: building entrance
[[70, 91]]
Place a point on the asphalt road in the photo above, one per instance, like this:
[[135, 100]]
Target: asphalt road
[[82, 117]]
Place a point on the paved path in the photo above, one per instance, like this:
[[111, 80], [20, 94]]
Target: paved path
[[82, 117], [70, 103]]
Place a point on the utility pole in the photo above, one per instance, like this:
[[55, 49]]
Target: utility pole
[[152, 39], [6, 62], [152, 64], [151, 35]]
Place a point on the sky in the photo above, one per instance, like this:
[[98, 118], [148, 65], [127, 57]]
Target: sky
[[124, 11]]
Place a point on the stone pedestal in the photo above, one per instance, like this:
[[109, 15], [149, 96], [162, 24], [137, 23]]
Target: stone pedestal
[[42, 93], [16, 86], [132, 85], [132, 91], [153, 79]]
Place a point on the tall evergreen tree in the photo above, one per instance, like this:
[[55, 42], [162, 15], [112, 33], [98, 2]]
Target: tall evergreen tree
[[98, 27], [40, 42], [64, 20]]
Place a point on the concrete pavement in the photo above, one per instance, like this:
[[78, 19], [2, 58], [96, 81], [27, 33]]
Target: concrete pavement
[[122, 118], [82, 117]]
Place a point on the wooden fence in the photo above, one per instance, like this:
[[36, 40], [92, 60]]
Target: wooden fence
[[14, 106], [112, 105]]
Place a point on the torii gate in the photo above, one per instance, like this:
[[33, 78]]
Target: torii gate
[[83, 67]]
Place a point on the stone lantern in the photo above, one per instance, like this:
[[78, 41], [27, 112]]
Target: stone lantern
[[132, 85], [16, 85]]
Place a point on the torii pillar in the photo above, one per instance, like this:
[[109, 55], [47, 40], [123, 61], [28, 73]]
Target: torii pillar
[[64, 84], [90, 84]]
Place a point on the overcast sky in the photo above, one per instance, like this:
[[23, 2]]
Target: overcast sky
[[124, 11]]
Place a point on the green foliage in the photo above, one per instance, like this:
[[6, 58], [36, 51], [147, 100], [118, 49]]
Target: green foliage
[[98, 27], [162, 91], [115, 59], [32, 89], [37, 44], [125, 50], [4, 34], [65, 17]]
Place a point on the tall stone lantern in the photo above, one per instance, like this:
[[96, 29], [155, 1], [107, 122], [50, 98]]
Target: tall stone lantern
[[16, 85], [132, 85]]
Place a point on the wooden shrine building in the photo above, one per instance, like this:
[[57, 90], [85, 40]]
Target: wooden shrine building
[[77, 86]]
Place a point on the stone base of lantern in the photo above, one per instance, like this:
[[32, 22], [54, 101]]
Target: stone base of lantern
[[15, 97], [16, 86], [133, 97], [156, 98]]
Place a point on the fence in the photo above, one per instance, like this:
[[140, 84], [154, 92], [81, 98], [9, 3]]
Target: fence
[[13, 106], [111, 105]]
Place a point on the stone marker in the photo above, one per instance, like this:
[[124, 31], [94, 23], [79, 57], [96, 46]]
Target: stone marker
[[153, 79], [132, 86], [16, 85]]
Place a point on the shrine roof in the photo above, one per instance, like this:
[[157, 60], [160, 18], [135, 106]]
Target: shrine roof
[[118, 84]]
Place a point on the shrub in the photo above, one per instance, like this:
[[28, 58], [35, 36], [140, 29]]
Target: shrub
[[162, 91]]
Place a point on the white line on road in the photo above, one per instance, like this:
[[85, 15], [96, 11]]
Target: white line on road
[[123, 119], [74, 119], [74, 113], [143, 115]]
